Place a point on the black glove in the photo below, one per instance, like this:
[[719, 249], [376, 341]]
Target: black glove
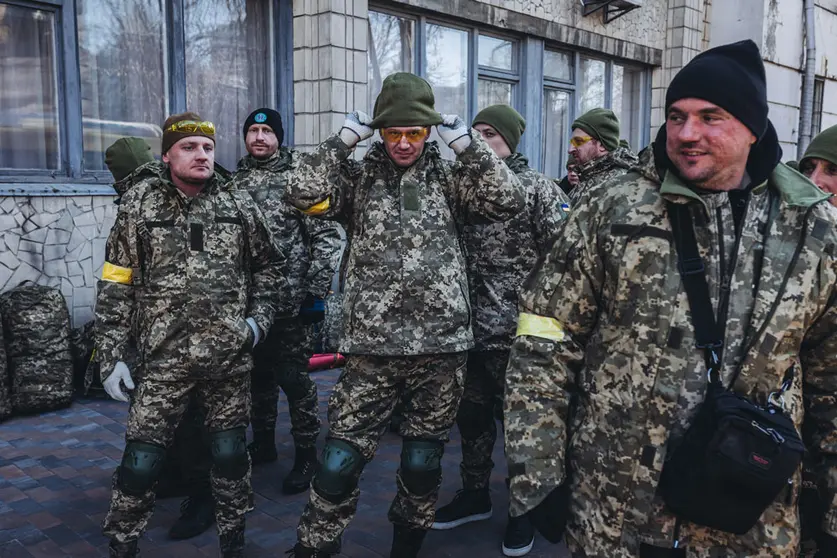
[[312, 310], [826, 546], [550, 516]]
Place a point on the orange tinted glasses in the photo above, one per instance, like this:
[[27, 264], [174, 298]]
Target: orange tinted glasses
[[413, 136], [578, 141]]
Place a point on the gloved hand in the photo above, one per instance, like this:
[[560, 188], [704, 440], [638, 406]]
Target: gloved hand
[[550, 516], [826, 546], [312, 310], [257, 331], [454, 132], [356, 128], [113, 383]]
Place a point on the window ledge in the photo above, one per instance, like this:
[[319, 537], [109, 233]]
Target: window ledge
[[22, 189]]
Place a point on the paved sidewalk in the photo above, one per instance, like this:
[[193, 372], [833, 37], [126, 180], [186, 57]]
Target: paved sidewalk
[[55, 475]]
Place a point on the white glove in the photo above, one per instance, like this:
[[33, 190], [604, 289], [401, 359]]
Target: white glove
[[454, 132], [113, 385], [356, 128], [257, 331]]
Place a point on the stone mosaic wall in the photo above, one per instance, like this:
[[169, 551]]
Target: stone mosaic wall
[[59, 242]]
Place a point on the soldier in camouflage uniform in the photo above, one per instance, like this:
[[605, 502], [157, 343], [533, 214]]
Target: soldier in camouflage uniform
[[406, 314], [598, 154], [604, 375], [500, 256], [193, 264], [312, 247], [820, 162]]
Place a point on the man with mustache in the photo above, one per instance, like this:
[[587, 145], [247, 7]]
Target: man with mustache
[[312, 247], [406, 313], [819, 163], [193, 265], [613, 360]]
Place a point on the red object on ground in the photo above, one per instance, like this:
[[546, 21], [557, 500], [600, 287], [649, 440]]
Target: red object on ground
[[326, 361]]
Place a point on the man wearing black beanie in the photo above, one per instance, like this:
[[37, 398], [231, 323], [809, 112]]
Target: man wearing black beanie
[[710, 263], [313, 249]]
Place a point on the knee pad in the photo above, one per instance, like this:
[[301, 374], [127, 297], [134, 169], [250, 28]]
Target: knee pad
[[229, 453], [141, 466], [339, 471], [473, 419], [421, 465]]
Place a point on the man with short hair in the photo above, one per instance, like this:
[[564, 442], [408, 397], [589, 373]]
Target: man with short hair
[[820, 162], [597, 151], [407, 320], [312, 248], [500, 256], [614, 363], [193, 264]]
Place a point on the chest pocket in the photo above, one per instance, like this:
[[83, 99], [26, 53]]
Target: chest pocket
[[223, 239], [163, 248]]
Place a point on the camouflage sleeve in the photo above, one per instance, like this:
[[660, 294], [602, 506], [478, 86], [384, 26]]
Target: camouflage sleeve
[[322, 183], [485, 189], [558, 310], [551, 209], [819, 364], [325, 255], [115, 303], [269, 289]]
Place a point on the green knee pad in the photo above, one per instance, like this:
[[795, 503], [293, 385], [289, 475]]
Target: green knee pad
[[421, 465], [229, 453], [339, 471], [140, 468]]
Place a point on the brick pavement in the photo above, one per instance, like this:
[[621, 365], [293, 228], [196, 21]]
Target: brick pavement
[[55, 474]]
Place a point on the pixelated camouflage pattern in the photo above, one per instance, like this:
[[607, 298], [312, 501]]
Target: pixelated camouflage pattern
[[501, 255], [156, 168], [311, 246], [36, 330], [602, 170], [359, 412], [629, 369], [332, 327], [406, 291], [190, 293], [5, 400], [157, 409], [282, 362], [481, 407]]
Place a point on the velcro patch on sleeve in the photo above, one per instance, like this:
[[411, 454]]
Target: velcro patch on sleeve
[[117, 274], [319, 208], [540, 326]]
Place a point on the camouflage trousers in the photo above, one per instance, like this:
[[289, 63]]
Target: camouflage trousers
[[153, 418], [281, 361], [482, 405], [359, 412]]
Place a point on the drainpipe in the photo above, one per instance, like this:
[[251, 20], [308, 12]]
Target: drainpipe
[[806, 112]]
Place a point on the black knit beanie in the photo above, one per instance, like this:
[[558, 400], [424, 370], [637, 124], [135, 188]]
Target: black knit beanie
[[730, 76], [268, 117]]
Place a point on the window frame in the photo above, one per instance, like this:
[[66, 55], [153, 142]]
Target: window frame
[[71, 178], [817, 106]]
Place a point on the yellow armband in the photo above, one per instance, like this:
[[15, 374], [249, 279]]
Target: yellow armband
[[540, 326]]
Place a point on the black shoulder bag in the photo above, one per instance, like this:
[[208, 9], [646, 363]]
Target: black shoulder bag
[[737, 456]]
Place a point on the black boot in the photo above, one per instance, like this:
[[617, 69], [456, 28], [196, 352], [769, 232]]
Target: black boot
[[263, 448], [519, 537], [300, 551], [123, 550], [406, 542], [232, 544], [467, 506], [197, 514], [305, 465]]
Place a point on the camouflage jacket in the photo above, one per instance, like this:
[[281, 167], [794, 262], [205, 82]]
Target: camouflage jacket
[[604, 371], [501, 255], [187, 272], [312, 246], [406, 290], [601, 170]]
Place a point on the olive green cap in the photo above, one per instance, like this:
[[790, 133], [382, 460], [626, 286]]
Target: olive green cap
[[507, 121], [405, 100]]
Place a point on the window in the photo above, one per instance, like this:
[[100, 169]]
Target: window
[[123, 73], [816, 119], [391, 47], [498, 72], [30, 133], [628, 102], [76, 75], [556, 131], [591, 84]]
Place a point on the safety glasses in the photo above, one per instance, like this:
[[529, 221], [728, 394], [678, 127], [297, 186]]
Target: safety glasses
[[578, 141], [413, 136], [190, 127]]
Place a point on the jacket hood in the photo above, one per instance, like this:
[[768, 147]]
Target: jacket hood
[[517, 162]]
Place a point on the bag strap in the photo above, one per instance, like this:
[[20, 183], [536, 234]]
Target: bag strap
[[708, 333]]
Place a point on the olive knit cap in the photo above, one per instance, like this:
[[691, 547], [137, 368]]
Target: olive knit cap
[[170, 137], [824, 147], [125, 155], [602, 125], [507, 121], [405, 100]]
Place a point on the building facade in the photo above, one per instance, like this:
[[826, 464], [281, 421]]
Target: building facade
[[75, 75]]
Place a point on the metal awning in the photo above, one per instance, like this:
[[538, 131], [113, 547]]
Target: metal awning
[[611, 8]]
